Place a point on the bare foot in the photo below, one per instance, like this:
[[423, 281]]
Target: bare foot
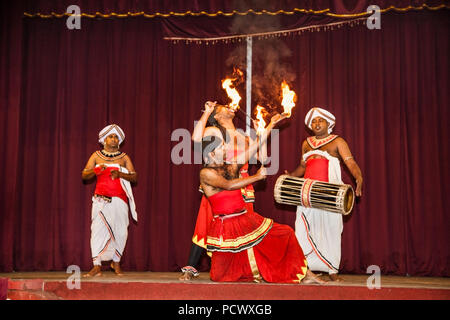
[[116, 267], [189, 273], [186, 276], [312, 278], [96, 271], [335, 277]]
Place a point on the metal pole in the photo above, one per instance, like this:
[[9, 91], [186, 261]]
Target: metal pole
[[249, 85]]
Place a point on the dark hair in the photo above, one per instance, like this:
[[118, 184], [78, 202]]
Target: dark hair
[[209, 144], [214, 123], [211, 120]]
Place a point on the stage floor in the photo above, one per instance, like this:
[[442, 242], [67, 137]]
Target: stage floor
[[172, 277], [165, 285]]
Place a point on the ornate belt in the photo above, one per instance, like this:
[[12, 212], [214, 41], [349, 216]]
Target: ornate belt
[[232, 215], [105, 198]]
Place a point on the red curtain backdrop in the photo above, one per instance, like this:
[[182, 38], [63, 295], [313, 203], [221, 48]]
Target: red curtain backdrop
[[388, 89]]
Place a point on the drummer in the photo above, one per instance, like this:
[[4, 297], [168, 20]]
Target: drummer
[[319, 231]]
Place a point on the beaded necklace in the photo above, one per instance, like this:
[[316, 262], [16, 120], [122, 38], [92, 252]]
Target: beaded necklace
[[110, 156]]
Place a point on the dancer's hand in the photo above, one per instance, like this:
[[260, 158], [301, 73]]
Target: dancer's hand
[[262, 172], [99, 169], [115, 174], [209, 106], [277, 118]]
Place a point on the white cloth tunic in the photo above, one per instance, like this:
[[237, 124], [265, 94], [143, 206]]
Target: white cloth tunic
[[319, 231]]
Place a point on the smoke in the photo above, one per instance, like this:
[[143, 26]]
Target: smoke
[[270, 63]]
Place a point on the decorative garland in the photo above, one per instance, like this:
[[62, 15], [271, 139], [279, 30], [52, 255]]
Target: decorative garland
[[268, 35], [228, 14], [359, 19]]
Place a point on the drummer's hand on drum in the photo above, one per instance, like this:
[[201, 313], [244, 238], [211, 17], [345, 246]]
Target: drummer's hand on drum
[[262, 172]]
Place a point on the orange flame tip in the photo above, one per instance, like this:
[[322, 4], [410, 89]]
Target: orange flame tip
[[232, 93], [288, 99]]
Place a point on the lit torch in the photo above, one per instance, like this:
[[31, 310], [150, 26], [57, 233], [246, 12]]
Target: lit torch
[[260, 130], [261, 124], [288, 99]]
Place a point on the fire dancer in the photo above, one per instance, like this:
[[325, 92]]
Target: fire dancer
[[220, 118], [114, 171], [319, 231], [246, 246]]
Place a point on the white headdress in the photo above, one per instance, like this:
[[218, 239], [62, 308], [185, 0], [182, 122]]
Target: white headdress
[[319, 112], [112, 128]]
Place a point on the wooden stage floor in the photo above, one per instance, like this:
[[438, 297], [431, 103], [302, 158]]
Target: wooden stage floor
[[166, 286]]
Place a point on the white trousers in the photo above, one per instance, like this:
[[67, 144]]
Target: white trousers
[[319, 234], [109, 229]]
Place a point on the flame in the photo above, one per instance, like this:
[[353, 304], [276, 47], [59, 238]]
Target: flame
[[232, 93], [288, 99], [238, 72], [260, 119], [228, 85]]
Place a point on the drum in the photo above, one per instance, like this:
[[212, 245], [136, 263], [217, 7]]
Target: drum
[[309, 193]]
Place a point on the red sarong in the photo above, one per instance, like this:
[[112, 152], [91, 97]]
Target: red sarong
[[248, 247]]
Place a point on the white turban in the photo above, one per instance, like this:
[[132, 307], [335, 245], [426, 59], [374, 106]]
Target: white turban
[[112, 128], [319, 112]]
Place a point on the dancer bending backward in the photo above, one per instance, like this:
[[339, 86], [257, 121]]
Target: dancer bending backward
[[220, 120], [245, 246]]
